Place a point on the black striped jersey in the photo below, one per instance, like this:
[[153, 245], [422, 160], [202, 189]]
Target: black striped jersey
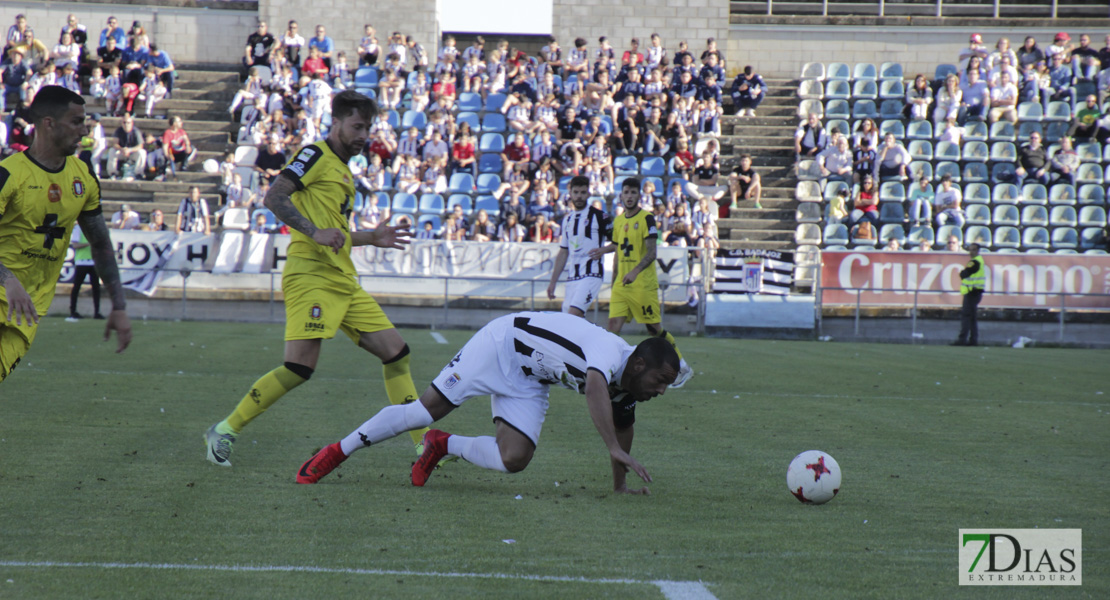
[[582, 231], [559, 348]]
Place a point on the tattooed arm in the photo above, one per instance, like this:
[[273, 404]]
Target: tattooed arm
[[280, 202], [104, 257]]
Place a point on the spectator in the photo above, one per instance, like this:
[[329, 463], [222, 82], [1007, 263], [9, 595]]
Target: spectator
[[178, 148], [1029, 53], [1061, 46], [34, 51], [926, 245], [510, 230], [1086, 123], [1002, 49], [748, 90], [836, 162], [953, 244], [163, 67], [291, 44], [837, 212], [113, 31], [744, 184], [1005, 65], [157, 221], [368, 48], [863, 160], [113, 91], [15, 32], [975, 97], [1061, 75], [1065, 162], [482, 230], [152, 90], [134, 56], [949, 100], [921, 202], [892, 245], [67, 52], [138, 34], [1004, 98], [259, 44], [192, 215], [810, 137], [892, 159], [1032, 162], [323, 44], [17, 76], [78, 32], [127, 143], [125, 218], [516, 153], [110, 55], [918, 99], [270, 161], [975, 49], [947, 202], [865, 207]]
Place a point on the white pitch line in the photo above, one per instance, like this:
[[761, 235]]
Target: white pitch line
[[438, 337], [672, 590]]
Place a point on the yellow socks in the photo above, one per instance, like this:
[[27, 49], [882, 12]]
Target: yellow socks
[[670, 338], [399, 386], [267, 390]]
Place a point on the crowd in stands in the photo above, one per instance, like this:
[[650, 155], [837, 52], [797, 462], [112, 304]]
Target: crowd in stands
[[479, 143], [1007, 148]]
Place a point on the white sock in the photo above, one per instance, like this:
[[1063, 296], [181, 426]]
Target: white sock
[[390, 421], [481, 451]]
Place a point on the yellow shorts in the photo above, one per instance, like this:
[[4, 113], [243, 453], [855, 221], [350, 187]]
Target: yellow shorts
[[13, 345], [317, 306], [634, 303]]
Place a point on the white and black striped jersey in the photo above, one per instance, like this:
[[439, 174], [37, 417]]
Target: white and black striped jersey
[[559, 348], [582, 231]]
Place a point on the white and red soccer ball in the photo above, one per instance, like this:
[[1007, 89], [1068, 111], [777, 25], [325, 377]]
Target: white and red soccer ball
[[813, 477]]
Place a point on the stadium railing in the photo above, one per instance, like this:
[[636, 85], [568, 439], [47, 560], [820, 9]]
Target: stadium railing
[[996, 9]]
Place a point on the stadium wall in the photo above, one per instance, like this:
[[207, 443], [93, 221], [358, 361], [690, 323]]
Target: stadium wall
[[189, 35], [674, 20]]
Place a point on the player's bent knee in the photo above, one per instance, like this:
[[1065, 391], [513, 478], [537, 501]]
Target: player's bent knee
[[436, 403], [516, 458]]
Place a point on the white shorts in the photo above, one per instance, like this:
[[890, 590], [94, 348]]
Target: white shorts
[[486, 366], [581, 293]]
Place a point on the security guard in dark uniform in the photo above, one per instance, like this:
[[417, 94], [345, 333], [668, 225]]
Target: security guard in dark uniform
[[973, 279]]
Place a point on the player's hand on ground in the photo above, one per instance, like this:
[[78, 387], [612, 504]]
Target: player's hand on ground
[[551, 291], [640, 492], [630, 463], [389, 236], [330, 237], [121, 323], [19, 303]]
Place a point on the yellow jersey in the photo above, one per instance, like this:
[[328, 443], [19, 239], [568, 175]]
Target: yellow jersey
[[630, 234], [325, 195], [38, 209]]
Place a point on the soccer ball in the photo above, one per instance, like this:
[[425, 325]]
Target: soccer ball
[[813, 477]]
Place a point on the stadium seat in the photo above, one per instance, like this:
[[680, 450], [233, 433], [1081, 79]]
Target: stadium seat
[[625, 165], [461, 183], [891, 212], [952, 169], [976, 193], [1003, 171], [834, 109], [1062, 193], [494, 102], [838, 71], [1003, 131], [975, 172], [1089, 152], [271, 220], [366, 77], [892, 230], [1090, 238], [470, 118], [832, 188], [978, 214], [1033, 216], [490, 163], [891, 110], [237, 218], [1088, 173], [892, 126], [808, 170], [1058, 111], [920, 168], [432, 204], [979, 234], [805, 107], [865, 72], [920, 149], [946, 231], [975, 131], [865, 90], [892, 191], [1106, 150], [491, 142], [462, 200], [835, 234], [1026, 129], [383, 199], [892, 89], [1007, 237], [660, 188], [1030, 111], [404, 203], [470, 102], [1063, 216], [1092, 194], [488, 204], [813, 70], [918, 234], [808, 212], [944, 70], [946, 150], [1054, 131], [1034, 193], [1003, 152], [493, 122], [437, 223], [919, 130], [807, 191], [245, 156], [1065, 238], [864, 109], [807, 233], [1007, 214], [839, 89], [653, 166], [891, 71], [488, 183], [393, 118], [1005, 193], [1035, 238], [811, 89]]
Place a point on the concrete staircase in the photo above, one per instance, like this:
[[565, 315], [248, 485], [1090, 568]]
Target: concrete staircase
[[201, 97]]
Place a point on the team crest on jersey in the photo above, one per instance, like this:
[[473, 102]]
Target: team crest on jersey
[[316, 311], [346, 179], [452, 381], [54, 193], [635, 225], [78, 187]]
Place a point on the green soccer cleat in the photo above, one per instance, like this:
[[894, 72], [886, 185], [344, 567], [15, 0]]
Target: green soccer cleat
[[219, 446]]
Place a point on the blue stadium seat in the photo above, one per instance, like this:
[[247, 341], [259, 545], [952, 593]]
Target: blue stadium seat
[[1063, 216], [1035, 238], [470, 102], [838, 89], [625, 165], [1005, 193], [1089, 152], [813, 70], [920, 168], [975, 172], [1065, 240], [1092, 194], [1007, 214], [891, 70], [920, 149], [808, 170], [918, 234], [838, 71], [892, 191], [865, 89], [1088, 173], [488, 204], [892, 89], [1007, 237], [974, 151], [807, 233], [1030, 111], [1090, 240], [807, 191], [470, 118], [892, 230], [865, 109], [415, 119], [808, 212], [653, 166], [951, 169], [493, 121], [893, 126], [837, 109], [947, 151], [892, 212], [366, 77], [1058, 111], [462, 200], [946, 231], [1003, 131], [1062, 193], [978, 234], [944, 70], [432, 204], [490, 163], [836, 233], [832, 188], [437, 224], [1003, 171], [658, 183], [1054, 131], [1034, 193], [491, 142], [976, 193], [393, 118], [865, 71], [976, 131], [494, 102], [405, 204], [488, 183], [811, 105], [978, 214], [811, 89], [461, 183], [891, 110], [1003, 152], [1027, 128], [919, 130], [1033, 216]]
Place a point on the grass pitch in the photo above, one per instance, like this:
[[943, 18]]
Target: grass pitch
[[105, 492]]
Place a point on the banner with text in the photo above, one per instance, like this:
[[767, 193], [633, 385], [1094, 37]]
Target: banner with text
[[1013, 280]]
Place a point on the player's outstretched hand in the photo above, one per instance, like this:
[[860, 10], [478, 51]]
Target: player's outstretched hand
[[330, 237], [119, 321], [640, 492], [389, 236], [20, 303], [631, 464]]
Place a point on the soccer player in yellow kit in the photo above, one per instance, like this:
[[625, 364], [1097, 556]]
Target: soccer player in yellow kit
[[635, 291], [314, 195], [43, 192]]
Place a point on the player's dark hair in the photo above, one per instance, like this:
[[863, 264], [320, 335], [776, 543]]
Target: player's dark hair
[[631, 182], [349, 101], [655, 352], [53, 101], [579, 181]]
